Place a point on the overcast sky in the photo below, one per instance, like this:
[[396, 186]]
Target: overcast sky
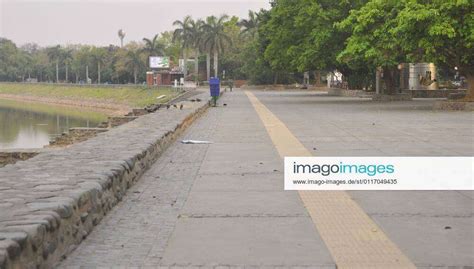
[[97, 21]]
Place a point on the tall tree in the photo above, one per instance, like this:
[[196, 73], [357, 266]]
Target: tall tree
[[134, 62], [171, 48], [441, 32], [373, 39], [153, 47], [216, 38], [197, 35], [250, 25], [204, 47], [302, 36], [183, 34], [98, 57], [67, 59], [255, 66], [8, 65], [80, 62], [54, 54]]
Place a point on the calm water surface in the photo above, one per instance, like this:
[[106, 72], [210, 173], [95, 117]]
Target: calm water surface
[[30, 125]]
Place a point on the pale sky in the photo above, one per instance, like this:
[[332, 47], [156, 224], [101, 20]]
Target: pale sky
[[97, 21]]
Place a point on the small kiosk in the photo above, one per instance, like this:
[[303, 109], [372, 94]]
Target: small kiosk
[[164, 75]]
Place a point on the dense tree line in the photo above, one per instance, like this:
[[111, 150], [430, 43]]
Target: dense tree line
[[127, 63], [111, 64], [357, 36], [354, 37]]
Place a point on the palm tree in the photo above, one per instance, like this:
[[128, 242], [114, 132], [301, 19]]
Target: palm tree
[[153, 47], [134, 62], [203, 46], [98, 56], [249, 25], [54, 55], [197, 36], [67, 58], [121, 35], [216, 38], [183, 34]]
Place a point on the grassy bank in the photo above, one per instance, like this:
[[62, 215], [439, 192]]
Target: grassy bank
[[128, 96]]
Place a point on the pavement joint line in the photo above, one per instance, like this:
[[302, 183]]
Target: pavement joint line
[[351, 236], [209, 216], [243, 173]]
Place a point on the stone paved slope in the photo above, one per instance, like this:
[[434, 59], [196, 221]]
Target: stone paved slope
[[51, 202]]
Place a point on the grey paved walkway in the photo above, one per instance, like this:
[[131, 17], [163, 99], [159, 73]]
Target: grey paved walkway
[[210, 205], [223, 204], [416, 221]]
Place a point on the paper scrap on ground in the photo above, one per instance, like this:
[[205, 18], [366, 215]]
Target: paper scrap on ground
[[161, 97], [195, 142]]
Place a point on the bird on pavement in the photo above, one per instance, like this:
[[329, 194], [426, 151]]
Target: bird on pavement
[[181, 106], [167, 106]]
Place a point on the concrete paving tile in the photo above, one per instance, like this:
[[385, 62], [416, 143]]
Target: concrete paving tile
[[249, 182], [421, 203], [244, 203], [241, 167], [252, 241], [427, 241]]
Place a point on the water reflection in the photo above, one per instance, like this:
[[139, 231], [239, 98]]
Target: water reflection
[[27, 125]]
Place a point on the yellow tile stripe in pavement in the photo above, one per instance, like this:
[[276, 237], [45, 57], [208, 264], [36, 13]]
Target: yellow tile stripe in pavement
[[352, 237]]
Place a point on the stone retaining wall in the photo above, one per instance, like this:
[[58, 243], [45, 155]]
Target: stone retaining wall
[[345, 93], [442, 93], [76, 135], [11, 157], [394, 97], [454, 105], [51, 202]]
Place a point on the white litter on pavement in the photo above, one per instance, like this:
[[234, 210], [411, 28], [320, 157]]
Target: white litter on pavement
[[195, 142]]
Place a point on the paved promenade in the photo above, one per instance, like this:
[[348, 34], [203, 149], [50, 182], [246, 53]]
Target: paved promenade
[[222, 205]]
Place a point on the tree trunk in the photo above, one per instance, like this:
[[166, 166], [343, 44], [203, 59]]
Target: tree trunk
[[135, 75], [216, 63], [208, 66], [67, 73], [98, 73], [388, 78], [317, 78], [196, 65], [185, 69], [470, 91], [275, 78], [57, 71]]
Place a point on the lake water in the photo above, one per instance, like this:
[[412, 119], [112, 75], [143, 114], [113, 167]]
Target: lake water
[[31, 125]]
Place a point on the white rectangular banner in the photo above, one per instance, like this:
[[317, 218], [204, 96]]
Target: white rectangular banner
[[379, 173], [159, 62]]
